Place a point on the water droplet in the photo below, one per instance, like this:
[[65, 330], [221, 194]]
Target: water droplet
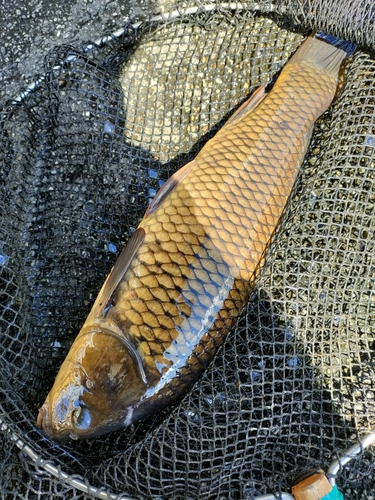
[[220, 398], [289, 334], [109, 128], [370, 140], [293, 362], [208, 401], [336, 320], [4, 259], [112, 247]]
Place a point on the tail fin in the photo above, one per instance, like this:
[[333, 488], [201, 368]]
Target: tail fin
[[325, 51]]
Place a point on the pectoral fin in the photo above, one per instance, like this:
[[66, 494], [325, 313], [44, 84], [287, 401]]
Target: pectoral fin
[[117, 273]]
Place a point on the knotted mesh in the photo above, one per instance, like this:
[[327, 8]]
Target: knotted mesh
[[82, 155]]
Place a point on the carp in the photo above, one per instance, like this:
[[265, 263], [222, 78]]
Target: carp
[[179, 285]]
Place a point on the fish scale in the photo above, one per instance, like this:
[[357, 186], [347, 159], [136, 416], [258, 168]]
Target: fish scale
[[234, 210], [180, 284]]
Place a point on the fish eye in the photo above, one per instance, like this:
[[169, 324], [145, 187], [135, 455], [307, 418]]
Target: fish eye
[[81, 418]]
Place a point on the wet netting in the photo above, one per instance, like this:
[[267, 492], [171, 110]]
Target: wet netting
[[81, 156]]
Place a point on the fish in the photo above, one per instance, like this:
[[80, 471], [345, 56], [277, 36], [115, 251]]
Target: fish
[[187, 271]]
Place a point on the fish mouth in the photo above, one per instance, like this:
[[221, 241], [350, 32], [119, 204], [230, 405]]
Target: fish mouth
[[43, 420]]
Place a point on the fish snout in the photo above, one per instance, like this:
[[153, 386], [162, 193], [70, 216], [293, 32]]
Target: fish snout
[[43, 420], [53, 428]]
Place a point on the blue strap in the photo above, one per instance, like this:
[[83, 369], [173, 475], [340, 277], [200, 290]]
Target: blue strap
[[334, 494]]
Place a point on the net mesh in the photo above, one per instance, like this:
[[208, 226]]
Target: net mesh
[[81, 157]]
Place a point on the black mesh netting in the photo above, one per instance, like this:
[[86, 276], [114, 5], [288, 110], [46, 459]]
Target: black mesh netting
[[80, 157]]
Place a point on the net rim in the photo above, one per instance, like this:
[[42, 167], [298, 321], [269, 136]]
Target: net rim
[[76, 481]]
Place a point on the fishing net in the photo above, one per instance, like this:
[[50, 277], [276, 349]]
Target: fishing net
[[81, 156]]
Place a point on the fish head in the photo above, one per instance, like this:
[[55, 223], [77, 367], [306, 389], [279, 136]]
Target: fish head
[[96, 389]]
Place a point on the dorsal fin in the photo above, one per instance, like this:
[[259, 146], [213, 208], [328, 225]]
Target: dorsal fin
[[177, 177], [254, 100], [168, 187], [118, 271]]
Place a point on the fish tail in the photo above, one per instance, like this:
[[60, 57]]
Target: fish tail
[[324, 51]]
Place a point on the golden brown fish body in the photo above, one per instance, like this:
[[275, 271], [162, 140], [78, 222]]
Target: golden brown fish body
[[187, 271]]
